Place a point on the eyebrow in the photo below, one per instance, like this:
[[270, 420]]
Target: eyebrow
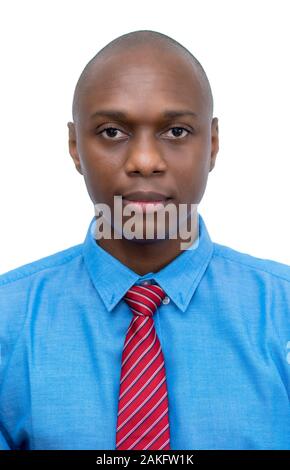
[[116, 114]]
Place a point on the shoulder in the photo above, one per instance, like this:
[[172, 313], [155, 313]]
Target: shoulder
[[248, 263], [46, 265], [23, 288]]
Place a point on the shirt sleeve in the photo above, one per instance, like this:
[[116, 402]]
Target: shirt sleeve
[[281, 326], [13, 405], [3, 443]]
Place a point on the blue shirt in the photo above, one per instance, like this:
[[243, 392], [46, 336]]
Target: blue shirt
[[225, 337]]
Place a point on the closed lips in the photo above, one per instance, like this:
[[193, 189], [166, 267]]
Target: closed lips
[[142, 196]]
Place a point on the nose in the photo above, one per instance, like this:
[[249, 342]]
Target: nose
[[144, 156]]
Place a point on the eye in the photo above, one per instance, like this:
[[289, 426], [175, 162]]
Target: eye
[[111, 133], [177, 132]]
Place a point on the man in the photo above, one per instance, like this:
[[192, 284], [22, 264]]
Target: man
[[135, 342]]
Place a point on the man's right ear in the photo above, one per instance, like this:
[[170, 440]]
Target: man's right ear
[[72, 144]]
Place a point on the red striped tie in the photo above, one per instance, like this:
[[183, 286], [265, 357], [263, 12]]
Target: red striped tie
[[143, 421]]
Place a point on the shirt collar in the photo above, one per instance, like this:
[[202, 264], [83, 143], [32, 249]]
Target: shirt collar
[[178, 279]]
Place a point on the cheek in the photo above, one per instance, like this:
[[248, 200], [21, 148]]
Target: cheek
[[191, 178], [98, 178], [99, 170]]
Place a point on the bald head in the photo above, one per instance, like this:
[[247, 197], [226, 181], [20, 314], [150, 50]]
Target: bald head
[[137, 41]]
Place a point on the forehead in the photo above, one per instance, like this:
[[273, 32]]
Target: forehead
[[143, 81]]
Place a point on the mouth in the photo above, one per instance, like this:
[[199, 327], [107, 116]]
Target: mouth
[[146, 200]]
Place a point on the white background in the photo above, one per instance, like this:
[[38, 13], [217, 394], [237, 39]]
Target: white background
[[244, 48]]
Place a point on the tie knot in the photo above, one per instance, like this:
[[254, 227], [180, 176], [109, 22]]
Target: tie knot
[[144, 300]]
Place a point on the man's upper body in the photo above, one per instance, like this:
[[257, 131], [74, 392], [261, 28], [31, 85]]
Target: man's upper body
[[224, 330], [143, 128]]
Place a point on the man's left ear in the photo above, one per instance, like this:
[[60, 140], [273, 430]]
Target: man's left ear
[[214, 142]]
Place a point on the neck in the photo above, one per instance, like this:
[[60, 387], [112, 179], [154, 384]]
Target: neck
[[151, 256]]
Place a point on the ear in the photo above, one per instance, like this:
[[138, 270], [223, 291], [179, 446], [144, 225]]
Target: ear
[[214, 142], [72, 143]]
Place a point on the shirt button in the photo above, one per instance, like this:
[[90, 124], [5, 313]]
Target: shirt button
[[166, 300]]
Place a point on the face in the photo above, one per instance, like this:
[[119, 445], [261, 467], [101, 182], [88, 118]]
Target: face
[[144, 125]]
